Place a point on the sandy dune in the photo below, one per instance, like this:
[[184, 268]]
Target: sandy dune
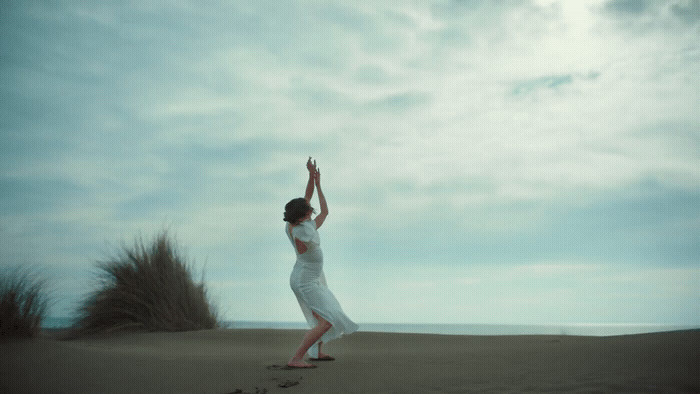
[[226, 361]]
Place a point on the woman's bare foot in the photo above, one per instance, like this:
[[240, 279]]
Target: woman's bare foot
[[299, 364]]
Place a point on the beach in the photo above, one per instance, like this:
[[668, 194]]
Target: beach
[[252, 360]]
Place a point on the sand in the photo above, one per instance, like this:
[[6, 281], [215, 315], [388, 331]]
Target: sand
[[227, 361]]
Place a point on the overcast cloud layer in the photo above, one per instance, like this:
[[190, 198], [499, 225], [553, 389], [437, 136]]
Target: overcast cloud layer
[[484, 162]]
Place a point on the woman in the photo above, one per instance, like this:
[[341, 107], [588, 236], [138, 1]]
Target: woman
[[321, 309]]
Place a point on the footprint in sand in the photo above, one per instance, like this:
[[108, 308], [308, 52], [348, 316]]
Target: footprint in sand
[[277, 367], [288, 383], [257, 391]]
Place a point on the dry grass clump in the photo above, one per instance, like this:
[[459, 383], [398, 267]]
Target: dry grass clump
[[147, 289], [23, 302]]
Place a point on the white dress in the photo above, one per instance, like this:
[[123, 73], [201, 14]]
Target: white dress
[[309, 285]]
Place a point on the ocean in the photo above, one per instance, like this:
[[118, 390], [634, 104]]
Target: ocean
[[485, 329], [585, 329]]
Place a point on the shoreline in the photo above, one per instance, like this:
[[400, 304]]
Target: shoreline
[[578, 329], [226, 360]]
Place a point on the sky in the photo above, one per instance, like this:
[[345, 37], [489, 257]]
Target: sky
[[484, 162]]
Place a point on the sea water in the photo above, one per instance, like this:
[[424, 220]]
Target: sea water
[[482, 329], [596, 329]]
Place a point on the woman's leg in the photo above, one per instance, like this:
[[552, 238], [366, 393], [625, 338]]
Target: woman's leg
[[309, 339], [322, 355]]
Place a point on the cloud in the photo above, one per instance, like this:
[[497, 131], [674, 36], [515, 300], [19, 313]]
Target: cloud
[[399, 102], [548, 82], [688, 11], [21, 195], [448, 132], [628, 6], [551, 82], [655, 13]]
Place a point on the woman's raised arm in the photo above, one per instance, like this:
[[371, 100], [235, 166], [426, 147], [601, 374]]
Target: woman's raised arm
[[310, 184], [324, 206]]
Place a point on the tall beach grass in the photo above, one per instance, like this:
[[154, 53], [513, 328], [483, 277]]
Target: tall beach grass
[[147, 288], [23, 302]]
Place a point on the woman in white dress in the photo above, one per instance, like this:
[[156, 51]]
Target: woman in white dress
[[321, 309]]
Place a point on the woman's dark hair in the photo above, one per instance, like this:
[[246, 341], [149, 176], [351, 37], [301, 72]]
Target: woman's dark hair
[[296, 209]]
